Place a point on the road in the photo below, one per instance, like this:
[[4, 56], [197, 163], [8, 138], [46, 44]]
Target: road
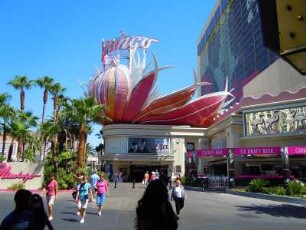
[[203, 210]]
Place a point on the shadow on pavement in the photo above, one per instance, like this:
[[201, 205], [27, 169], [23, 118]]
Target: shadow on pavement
[[70, 220], [284, 210]]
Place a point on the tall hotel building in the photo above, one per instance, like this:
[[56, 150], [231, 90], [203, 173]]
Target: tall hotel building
[[264, 127]]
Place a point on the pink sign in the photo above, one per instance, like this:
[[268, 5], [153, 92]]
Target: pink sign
[[5, 173], [210, 153], [296, 150], [257, 151]]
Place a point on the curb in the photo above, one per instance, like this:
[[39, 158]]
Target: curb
[[36, 190], [287, 199]]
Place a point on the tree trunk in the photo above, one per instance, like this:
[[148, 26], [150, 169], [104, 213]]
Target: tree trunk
[[53, 152], [4, 140], [19, 149], [81, 149], [42, 137]]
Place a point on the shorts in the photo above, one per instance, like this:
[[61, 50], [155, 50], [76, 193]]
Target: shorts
[[50, 200], [82, 204], [100, 199]]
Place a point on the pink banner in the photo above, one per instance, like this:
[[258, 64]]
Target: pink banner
[[257, 151], [209, 153], [296, 150]]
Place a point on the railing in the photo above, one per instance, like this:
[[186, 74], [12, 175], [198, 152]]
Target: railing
[[215, 182]]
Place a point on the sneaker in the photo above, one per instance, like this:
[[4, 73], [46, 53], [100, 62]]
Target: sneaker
[[50, 218], [78, 213], [82, 221], [99, 213]]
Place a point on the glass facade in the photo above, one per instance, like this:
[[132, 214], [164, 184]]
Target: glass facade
[[232, 47]]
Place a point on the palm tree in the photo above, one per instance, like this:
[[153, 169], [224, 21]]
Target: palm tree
[[44, 83], [83, 112], [6, 112], [20, 129], [49, 131], [57, 91], [21, 83]]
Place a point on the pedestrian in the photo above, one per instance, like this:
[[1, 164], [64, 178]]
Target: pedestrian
[[153, 176], [146, 178], [157, 174], [118, 178], [93, 181], [79, 178], [178, 195], [52, 193], [21, 216], [102, 190], [39, 219], [154, 210], [83, 193]]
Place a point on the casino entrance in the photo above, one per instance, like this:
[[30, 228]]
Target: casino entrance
[[137, 171]]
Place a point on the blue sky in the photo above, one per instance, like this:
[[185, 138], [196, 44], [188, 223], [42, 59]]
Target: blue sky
[[62, 39]]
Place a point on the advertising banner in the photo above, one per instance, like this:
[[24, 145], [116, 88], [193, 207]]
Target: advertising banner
[[149, 145]]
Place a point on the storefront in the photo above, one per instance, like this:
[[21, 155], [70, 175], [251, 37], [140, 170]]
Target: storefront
[[297, 161], [258, 162], [275, 164]]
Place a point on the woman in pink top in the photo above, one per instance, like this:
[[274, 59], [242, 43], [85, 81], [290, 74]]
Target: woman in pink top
[[52, 192], [102, 189]]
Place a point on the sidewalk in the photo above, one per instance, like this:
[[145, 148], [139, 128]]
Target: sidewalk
[[293, 200]]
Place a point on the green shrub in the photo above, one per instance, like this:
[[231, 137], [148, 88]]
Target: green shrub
[[65, 171], [295, 188], [257, 185], [278, 190], [29, 156], [16, 186]]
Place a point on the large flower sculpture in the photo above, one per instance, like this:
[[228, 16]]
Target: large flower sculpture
[[129, 94]]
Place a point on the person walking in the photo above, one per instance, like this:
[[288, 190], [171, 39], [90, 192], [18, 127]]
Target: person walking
[[93, 181], [82, 197], [178, 195], [154, 210], [52, 193], [39, 219], [146, 178], [79, 178], [102, 190], [21, 216], [153, 176]]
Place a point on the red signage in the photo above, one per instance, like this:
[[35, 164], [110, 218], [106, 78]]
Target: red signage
[[5, 173]]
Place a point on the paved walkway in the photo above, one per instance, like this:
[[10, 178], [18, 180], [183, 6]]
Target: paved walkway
[[203, 210]]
